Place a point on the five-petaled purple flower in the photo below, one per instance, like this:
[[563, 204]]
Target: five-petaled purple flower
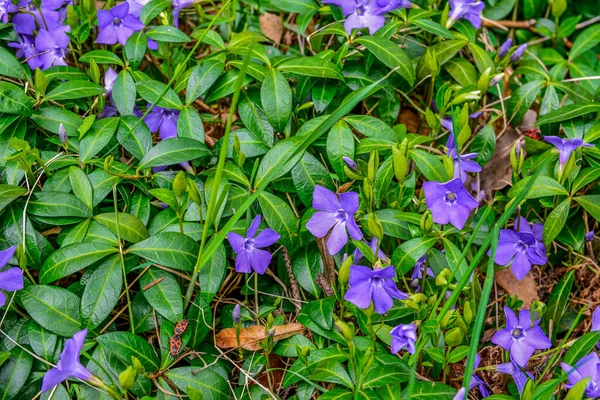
[[378, 285], [404, 336], [11, 279], [117, 24], [52, 46], [26, 22], [248, 249], [367, 13], [587, 367], [467, 9], [164, 121], [26, 49], [516, 372], [334, 213], [524, 247], [373, 244], [521, 337], [69, 365], [476, 381], [565, 147], [463, 163], [449, 202], [503, 50]]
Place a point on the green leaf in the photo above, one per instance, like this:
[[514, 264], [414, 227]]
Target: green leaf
[[255, 120], [101, 57], [173, 151], [428, 390], [387, 374], [41, 340], [14, 101], [591, 204], [306, 265], [199, 318], [447, 49], [50, 119], [124, 93], [139, 141], [568, 112], [332, 371], [276, 99], [433, 27], [69, 259], [212, 274], [371, 127], [152, 9], [101, 293], [310, 66], [581, 347], [209, 383], [340, 143], [280, 217], [429, 165], [11, 67], [543, 186], [500, 9], [390, 54], [557, 303], [54, 308], [323, 93], [202, 78], [279, 159], [125, 345], [484, 144], [407, 254], [71, 90], [522, 99], [189, 124], [129, 227], [82, 188], [170, 34], [151, 91], [462, 71], [9, 193], [453, 254], [135, 48], [171, 249], [56, 204], [163, 293], [308, 173], [15, 372], [556, 220], [585, 177], [321, 312], [97, 138], [587, 39]]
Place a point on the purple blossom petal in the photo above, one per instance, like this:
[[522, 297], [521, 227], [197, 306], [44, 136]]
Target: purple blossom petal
[[337, 238], [320, 223], [236, 241], [69, 365], [259, 260], [266, 238], [325, 200], [12, 279], [251, 232], [6, 255]]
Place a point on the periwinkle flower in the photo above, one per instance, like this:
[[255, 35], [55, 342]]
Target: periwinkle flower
[[334, 213], [589, 236], [417, 274], [464, 163], [248, 249], [565, 147], [12, 279], [518, 53], [69, 365], [461, 394], [521, 337], [467, 9], [523, 248], [587, 367], [520, 377], [110, 76], [52, 47], [136, 6], [164, 121], [26, 49], [596, 323], [373, 244], [375, 285], [6, 7], [404, 336], [179, 5], [504, 48], [117, 24], [366, 13], [476, 381], [449, 202], [27, 22], [236, 314]]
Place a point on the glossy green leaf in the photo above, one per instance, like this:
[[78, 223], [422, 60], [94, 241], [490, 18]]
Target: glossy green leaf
[[280, 217], [587, 39], [557, 303], [429, 165], [591, 203], [135, 49], [139, 141], [568, 112], [101, 57], [129, 227], [125, 345], [54, 308], [390, 54], [307, 264], [173, 151], [56, 204], [212, 274], [310, 66], [543, 186], [97, 137], [276, 99], [71, 90], [124, 93], [102, 291], [169, 34], [82, 188], [407, 254], [555, 221], [308, 173], [10, 66], [151, 91], [340, 143], [163, 293], [15, 371], [171, 249], [202, 78], [9, 193], [206, 381]]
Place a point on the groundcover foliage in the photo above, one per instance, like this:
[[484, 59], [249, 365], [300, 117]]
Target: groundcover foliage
[[353, 199]]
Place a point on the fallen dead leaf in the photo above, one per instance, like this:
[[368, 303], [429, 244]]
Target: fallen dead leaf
[[525, 289], [272, 26], [250, 337]]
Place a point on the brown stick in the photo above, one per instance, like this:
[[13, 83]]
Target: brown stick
[[511, 24], [294, 288]]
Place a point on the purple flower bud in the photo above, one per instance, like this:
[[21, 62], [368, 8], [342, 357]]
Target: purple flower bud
[[503, 50], [62, 134], [589, 236], [518, 53], [350, 163], [496, 79], [236, 314], [519, 147]]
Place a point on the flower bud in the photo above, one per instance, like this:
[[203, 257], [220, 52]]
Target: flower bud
[[589, 236], [135, 362], [271, 332], [496, 79], [400, 163], [236, 314], [373, 165], [375, 226], [344, 272], [468, 96], [442, 278], [353, 175], [62, 134], [426, 221], [518, 53], [179, 184], [448, 319], [193, 192], [537, 310], [503, 50], [108, 162], [127, 378], [304, 351], [350, 163], [347, 330], [454, 337], [469, 311]]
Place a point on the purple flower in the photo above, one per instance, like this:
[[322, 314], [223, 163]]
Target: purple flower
[[523, 247], [587, 367], [248, 249], [565, 147], [463, 163], [236, 314], [366, 13], [596, 323], [517, 373], [503, 50], [589, 236], [11, 279], [27, 22], [136, 6], [461, 394], [336, 214], [62, 134], [110, 76], [467, 9], [116, 25], [350, 163], [417, 274], [449, 202], [26, 49], [518, 53], [521, 337], [52, 47], [375, 285], [179, 5], [358, 255], [404, 336], [68, 366], [6, 7], [163, 120], [476, 381]]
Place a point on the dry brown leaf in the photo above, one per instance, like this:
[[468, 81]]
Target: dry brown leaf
[[525, 289], [272, 26], [250, 337]]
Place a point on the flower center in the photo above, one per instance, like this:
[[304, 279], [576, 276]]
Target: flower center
[[450, 198], [517, 333], [59, 52], [31, 6], [117, 22], [249, 245], [341, 215], [360, 10]]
